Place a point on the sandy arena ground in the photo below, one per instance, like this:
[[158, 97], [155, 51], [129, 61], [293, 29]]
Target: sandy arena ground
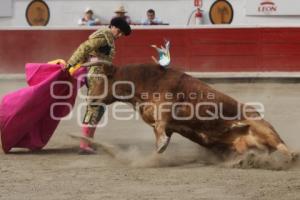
[[182, 172]]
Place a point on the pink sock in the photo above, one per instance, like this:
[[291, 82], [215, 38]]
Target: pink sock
[[87, 132]]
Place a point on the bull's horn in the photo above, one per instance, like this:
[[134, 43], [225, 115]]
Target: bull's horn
[[96, 63], [239, 125]]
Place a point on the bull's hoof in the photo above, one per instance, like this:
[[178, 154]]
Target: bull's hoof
[[162, 144]]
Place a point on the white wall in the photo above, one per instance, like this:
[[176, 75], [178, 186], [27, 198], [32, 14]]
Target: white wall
[[6, 8], [65, 13]]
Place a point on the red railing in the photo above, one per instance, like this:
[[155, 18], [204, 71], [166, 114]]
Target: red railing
[[203, 49]]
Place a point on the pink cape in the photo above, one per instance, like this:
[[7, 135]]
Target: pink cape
[[25, 119]]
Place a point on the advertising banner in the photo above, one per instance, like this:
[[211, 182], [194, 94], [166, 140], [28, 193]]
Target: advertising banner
[[272, 7]]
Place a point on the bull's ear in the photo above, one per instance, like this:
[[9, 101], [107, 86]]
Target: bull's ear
[[109, 70], [239, 126]]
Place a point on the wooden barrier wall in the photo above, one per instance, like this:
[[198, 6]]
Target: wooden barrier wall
[[251, 49]]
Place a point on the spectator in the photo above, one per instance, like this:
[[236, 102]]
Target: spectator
[[120, 12], [151, 19], [87, 19]]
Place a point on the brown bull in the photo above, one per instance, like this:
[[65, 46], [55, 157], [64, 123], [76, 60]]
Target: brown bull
[[171, 101]]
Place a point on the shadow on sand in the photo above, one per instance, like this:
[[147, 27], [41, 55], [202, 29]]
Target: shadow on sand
[[46, 151]]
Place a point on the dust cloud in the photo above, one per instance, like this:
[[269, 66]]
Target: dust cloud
[[134, 157]]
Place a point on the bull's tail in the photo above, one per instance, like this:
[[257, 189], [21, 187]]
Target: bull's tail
[[259, 135], [292, 156], [269, 136], [274, 143]]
